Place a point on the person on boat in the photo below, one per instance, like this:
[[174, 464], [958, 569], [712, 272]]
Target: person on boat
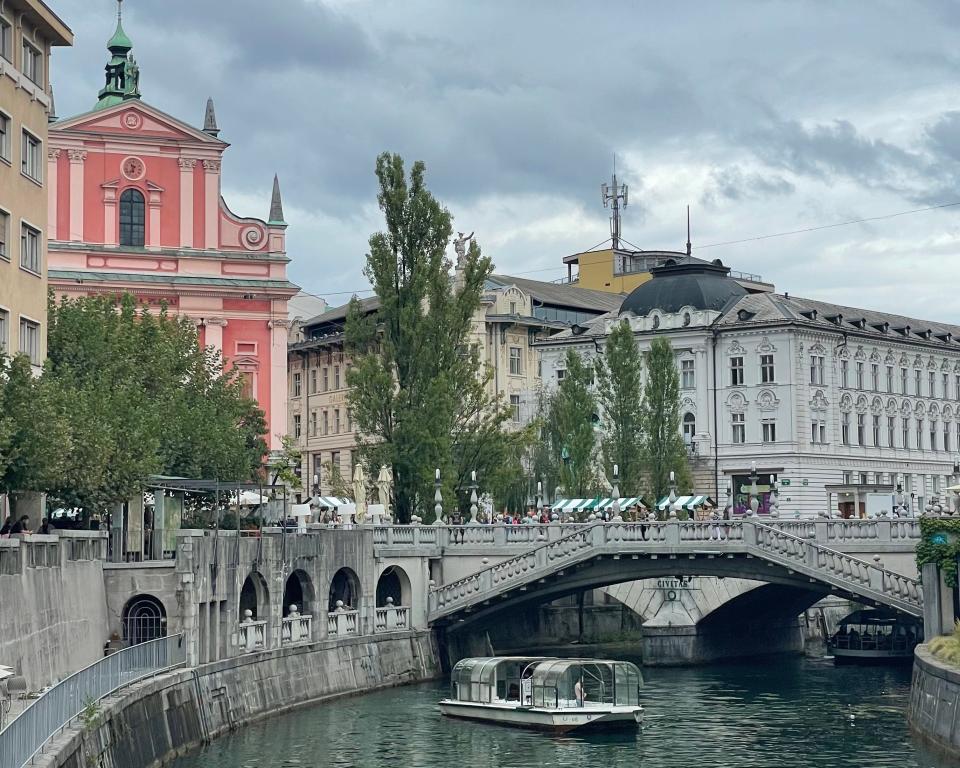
[[526, 687], [578, 693]]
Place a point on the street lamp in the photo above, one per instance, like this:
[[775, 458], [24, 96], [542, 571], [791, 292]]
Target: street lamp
[[438, 500], [473, 497]]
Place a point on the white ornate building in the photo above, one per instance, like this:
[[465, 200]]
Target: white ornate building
[[816, 394]]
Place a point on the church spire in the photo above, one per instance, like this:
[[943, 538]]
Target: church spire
[[276, 206], [122, 72], [210, 120]]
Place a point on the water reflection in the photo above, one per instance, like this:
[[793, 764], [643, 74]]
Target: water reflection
[[785, 713]]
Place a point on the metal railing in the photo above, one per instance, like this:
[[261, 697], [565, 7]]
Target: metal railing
[[26, 734]]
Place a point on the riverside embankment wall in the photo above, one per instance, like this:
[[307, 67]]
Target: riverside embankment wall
[[153, 722], [934, 710], [53, 608]]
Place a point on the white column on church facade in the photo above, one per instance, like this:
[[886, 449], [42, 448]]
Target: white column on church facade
[[53, 155], [77, 159], [187, 166], [211, 208]]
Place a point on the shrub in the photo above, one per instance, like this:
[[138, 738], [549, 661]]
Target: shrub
[[947, 647]]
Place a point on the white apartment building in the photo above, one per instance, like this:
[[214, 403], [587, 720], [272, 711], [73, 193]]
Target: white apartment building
[[815, 394]]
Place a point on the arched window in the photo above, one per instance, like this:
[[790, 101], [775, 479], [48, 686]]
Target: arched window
[[131, 217], [689, 427]]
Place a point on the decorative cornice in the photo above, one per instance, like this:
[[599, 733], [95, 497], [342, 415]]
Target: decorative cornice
[[53, 153], [187, 163], [279, 323], [211, 166]]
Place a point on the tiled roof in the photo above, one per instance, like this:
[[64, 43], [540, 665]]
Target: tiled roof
[[560, 294]]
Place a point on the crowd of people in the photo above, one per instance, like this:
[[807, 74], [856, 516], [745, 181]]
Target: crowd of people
[[21, 526]]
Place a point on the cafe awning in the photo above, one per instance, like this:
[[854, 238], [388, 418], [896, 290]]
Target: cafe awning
[[686, 502]]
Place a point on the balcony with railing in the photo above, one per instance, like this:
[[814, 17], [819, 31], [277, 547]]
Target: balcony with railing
[[252, 634]]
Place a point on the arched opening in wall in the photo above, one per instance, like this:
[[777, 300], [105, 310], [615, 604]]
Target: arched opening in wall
[[299, 592], [395, 584], [254, 597], [345, 586], [689, 428], [144, 618]]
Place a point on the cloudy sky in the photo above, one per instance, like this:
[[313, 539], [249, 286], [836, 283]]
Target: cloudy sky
[[763, 116]]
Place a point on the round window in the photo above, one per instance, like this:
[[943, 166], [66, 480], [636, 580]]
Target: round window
[[686, 319]]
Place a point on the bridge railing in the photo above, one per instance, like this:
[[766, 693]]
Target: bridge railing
[[26, 734], [823, 531], [804, 551]]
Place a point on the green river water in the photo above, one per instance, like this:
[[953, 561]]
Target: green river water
[[776, 713]]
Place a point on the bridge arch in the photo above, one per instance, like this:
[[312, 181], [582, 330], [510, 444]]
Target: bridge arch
[[144, 618], [395, 584], [299, 591], [345, 587], [255, 597]]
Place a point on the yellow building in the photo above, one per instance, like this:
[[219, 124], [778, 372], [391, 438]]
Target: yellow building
[[28, 31], [620, 270]]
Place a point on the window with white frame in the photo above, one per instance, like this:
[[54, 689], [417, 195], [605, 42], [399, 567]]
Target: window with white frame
[[516, 361], [736, 371], [560, 374], [890, 378], [296, 384], [816, 369], [859, 375], [336, 421], [326, 379], [31, 163], [336, 377], [296, 425], [905, 428], [769, 431], [766, 369], [946, 386], [891, 431], [4, 235], [946, 435], [876, 430], [4, 331], [6, 39], [32, 62], [738, 421], [818, 431], [689, 428], [29, 248], [931, 384], [920, 433], [515, 408], [30, 340], [5, 136], [313, 381], [845, 428], [934, 429], [956, 386], [844, 373], [325, 419], [903, 382], [861, 428], [687, 378], [875, 377], [917, 380]]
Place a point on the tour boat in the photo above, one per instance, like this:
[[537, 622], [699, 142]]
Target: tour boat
[[545, 693], [873, 636]]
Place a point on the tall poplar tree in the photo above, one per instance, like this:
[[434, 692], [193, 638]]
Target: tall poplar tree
[[620, 395], [664, 451], [418, 391], [571, 419]]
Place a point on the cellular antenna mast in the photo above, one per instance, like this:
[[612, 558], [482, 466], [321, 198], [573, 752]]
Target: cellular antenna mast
[[689, 247], [613, 194]]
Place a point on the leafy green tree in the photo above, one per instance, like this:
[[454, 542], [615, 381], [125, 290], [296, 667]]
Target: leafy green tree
[[571, 419], [620, 395], [139, 396], [664, 451], [416, 385]]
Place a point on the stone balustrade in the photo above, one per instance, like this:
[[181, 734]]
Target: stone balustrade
[[451, 539], [391, 618], [343, 622], [796, 547], [252, 635], [295, 628]]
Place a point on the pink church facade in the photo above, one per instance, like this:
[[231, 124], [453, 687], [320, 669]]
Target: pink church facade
[[135, 206]]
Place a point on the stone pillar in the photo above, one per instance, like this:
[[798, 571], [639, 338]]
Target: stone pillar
[[932, 622], [211, 206], [214, 333], [277, 413], [77, 159], [53, 156], [153, 208], [187, 166]]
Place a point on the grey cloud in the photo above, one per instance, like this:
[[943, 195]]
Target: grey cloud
[[732, 184]]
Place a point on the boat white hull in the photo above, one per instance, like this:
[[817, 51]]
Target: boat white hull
[[555, 720]]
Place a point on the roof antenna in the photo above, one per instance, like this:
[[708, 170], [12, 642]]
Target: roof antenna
[[614, 193], [689, 248]]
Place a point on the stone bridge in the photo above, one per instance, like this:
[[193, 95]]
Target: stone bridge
[[871, 562]]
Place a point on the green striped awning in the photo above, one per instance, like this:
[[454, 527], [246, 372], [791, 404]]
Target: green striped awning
[[685, 502], [331, 502]]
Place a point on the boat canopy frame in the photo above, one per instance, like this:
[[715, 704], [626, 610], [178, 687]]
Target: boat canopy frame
[[553, 681]]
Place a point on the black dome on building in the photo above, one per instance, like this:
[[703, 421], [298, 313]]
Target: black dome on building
[[699, 284]]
